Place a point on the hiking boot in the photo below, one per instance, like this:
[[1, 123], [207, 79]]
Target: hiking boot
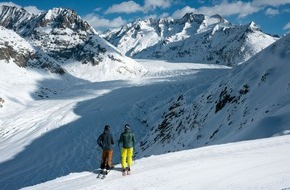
[[128, 171], [124, 172]]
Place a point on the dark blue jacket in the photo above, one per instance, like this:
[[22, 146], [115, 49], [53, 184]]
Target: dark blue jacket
[[106, 140]]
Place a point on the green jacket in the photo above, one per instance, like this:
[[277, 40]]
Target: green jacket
[[127, 138]]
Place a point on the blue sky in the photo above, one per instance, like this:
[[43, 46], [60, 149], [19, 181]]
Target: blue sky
[[273, 16]]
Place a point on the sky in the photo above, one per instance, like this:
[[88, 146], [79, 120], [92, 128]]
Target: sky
[[273, 16]]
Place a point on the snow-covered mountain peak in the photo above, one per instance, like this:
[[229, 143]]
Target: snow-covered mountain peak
[[166, 20], [220, 18], [5, 10], [253, 26], [64, 18], [11, 17], [191, 17]]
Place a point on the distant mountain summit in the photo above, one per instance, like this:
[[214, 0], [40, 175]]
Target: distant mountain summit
[[194, 38], [63, 36]]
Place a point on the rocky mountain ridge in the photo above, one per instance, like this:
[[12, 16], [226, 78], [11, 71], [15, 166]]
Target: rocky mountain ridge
[[61, 35]]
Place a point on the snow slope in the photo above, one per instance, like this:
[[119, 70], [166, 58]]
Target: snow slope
[[251, 102], [251, 165]]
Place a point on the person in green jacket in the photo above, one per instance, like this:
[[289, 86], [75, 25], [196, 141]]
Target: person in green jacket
[[127, 139]]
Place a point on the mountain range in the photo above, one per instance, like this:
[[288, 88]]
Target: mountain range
[[192, 38]]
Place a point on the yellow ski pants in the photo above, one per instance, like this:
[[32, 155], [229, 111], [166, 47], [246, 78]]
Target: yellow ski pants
[[127, 160]]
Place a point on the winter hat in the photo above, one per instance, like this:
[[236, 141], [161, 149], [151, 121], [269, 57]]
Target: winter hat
[[107, 127], [127, 126]]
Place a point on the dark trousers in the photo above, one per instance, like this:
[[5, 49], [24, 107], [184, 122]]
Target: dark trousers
[[107, 156]]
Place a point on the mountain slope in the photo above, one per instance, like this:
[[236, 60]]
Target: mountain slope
[[15, 49], [194, 38], [251, 102], [62, 35], [259, 164]]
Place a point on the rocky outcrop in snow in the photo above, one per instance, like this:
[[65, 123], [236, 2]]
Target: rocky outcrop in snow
[[1, 102], [14, 48]]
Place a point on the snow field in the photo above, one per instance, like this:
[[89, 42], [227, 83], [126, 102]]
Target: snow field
[[257, 164]]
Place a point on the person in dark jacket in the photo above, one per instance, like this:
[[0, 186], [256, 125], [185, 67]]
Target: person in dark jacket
[[106, 142], [127, 139]]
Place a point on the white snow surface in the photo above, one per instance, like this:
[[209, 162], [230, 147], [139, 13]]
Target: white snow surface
[[257, 164]]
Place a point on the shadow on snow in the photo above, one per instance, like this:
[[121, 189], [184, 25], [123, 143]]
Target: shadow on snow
[[72, 148]]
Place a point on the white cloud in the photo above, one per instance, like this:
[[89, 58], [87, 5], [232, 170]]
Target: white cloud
[[155, 16], [153, 4], [240, 8], [225, 9], [98, 9], [9, 4], [287, 26], [163, 15], [271, 11], [274, 3], [132, 7], [101, 23], [124, 7], [181, 12]]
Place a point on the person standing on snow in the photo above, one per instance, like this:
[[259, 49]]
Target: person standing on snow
[[127, 138], [106, 142]]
